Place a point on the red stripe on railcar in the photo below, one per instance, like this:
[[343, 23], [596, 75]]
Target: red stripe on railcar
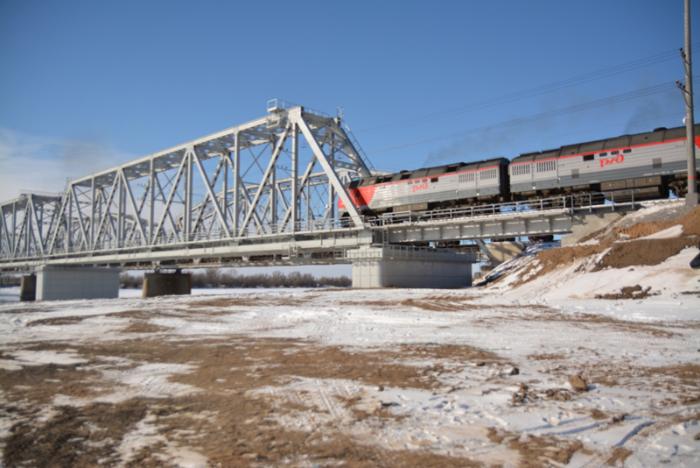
[[606, 150]]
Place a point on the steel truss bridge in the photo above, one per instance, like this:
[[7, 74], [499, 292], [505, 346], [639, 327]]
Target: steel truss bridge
[[264, 192]]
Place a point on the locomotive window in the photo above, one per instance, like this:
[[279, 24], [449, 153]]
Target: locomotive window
[[434, 179], [464, 178], [588, 157], [405, 176], [545, 166], [627, 151]]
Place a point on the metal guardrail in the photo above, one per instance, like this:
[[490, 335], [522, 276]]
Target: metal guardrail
[[572, 203]]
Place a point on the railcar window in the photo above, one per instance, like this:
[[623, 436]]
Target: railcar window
[[490, 174], [588, 157], [521, 169], [614, 152], [434, 179], [603, 154], [627, 151]]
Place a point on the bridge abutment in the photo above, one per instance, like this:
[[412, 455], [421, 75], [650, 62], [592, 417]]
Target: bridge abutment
[[393, 266], [59, 282], [589, 224], [166, 284]]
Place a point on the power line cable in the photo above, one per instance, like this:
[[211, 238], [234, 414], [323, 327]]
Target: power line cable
[[605, 101], [507, 98]]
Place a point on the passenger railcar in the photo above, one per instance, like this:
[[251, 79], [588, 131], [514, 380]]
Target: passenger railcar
[[645, 165]]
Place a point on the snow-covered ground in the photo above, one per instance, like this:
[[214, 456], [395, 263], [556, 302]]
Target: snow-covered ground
[[633, 355], [535, 368]]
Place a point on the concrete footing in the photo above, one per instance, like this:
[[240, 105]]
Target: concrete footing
[[401, 267], [27, 288], [499, 252], [73, 282], [166, 284]]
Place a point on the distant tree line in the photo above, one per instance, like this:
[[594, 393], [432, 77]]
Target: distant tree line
[[212, 278]]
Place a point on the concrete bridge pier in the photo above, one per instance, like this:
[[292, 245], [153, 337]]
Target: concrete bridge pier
[[392, 266], [166, 284], [61, 282], [27, 288]]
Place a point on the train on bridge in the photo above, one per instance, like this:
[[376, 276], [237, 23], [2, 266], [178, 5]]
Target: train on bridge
[[641, 166]]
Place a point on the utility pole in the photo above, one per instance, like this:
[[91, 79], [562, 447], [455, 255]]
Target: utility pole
[[691, 197]]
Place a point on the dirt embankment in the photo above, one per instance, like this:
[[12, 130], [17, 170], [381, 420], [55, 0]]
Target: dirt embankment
[[624, 246]]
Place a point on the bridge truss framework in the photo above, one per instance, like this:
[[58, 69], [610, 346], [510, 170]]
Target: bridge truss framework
[[264, 182]]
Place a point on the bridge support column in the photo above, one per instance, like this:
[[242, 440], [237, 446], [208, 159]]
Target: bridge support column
[[58, 282], [27, 288], [402, 267], [166, 284]]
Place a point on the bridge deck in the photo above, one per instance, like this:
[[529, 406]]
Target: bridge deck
[[330, 243]]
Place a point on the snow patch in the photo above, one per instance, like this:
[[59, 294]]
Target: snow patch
[[39, 358], [146, 434]]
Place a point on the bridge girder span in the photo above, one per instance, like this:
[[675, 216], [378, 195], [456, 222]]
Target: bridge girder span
[[281, 174]]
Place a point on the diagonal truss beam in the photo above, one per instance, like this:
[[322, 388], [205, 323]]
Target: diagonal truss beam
[[329, 170], [266, 176]]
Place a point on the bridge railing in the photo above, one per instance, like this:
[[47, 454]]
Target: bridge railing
[[573, 202]]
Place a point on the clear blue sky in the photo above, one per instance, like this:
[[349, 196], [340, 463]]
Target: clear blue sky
[[93, 83]]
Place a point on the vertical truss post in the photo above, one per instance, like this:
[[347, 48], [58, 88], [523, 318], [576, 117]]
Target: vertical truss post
[[93, 196], [236, 182], [151, 199], [14, 227], [27, 226], [309, 212], [120, 212], [188, 196], [273, 199], [331, 192], [69, 221], [224, 188], [295, 176]]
